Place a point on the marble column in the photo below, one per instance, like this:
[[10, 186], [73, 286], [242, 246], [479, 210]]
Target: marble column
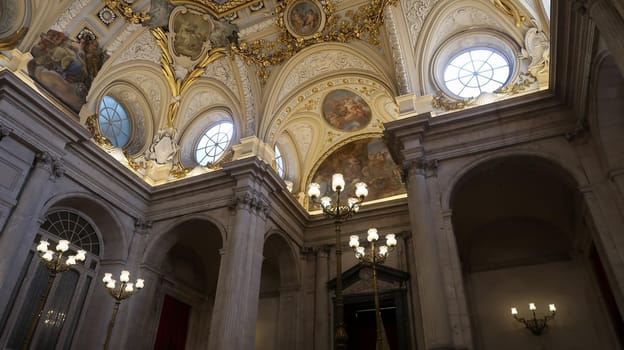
[[431, 289], [22, 226], [130, 318], [322, 320], [238, 289]]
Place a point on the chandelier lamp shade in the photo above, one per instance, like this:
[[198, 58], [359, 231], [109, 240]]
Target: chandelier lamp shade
[[372, 256], [120, 292], [56, 261], [534, 324], [338, 212]]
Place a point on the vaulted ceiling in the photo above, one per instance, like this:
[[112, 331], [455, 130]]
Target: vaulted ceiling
[[276, 70]]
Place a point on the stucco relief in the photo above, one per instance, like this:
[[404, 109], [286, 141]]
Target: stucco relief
[[320, 64], [256, 28], [397, 55], [131, 100], [150, 87], [248, 96], [143, 48], [68, 16], [416, 12], [202, 101], [302, 133], [463, 18], [221, 70], [121, 38], [537, 51]]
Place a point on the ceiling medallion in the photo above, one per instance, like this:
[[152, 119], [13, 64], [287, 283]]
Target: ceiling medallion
[[217, 8], [106, 15], [307, 22]]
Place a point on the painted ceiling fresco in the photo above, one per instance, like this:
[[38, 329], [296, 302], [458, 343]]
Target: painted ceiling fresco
[[366, 160]]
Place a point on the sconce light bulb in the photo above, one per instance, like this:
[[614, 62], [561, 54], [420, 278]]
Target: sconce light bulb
[[81, 255], [372, 235], [383, 250], [107, 277], [391, 240], [325, 202], [532, 306], [314, 190], [71, 260], [125, 276], [361, 190], [354, 241], [338, 182], [63, 245], [43, 246], [359, 252], [48, 256], [110, 284], [552, 307], [140, 283], [514, 311], [129, 287]]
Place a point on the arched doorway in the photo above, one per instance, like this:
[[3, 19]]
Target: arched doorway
[[523, 236], [276, 326], [188, 260]]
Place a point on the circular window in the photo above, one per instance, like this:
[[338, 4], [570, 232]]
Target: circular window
[[213, 143], [476, 71], [279, 162], [114, 122]]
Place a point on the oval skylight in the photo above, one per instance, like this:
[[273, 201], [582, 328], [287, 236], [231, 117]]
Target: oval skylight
[[213, 144], [114, 122], [476, 71]]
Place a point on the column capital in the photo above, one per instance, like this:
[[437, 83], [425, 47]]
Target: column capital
[[53, 165], [252, 201], [142, 226], [420, 166], [4, 131]]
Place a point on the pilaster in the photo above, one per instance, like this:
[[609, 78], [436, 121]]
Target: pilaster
[[21, 227]]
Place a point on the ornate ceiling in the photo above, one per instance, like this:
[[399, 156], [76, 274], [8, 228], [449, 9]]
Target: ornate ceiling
[[269, 67]]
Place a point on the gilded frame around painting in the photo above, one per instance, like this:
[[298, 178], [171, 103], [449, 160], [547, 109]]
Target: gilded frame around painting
[[304, 18]]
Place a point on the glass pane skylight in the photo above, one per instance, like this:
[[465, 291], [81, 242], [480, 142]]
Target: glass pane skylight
[[114, 122], [476, 71], [213, 143], [279, 162]]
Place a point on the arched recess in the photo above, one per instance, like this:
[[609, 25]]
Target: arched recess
[[306, 119], [87, 224], [198, 126], [145, 78], [113, 234], [449, 19], [607, 105], [524, 235], [182, 263], [278, 307]]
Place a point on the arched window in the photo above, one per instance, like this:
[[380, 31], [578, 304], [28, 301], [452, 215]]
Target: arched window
[[279, 162], [213, 143], [68, 293], [475, 71], [114, 122]]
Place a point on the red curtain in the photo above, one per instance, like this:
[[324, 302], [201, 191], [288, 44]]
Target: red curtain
[[173, 325]]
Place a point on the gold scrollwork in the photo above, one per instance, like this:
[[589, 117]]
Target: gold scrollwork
[[364, 24], [127, 11], [441, 101], [93, 126], [135, 164], [180, 86], [524, 81], [178, 171]]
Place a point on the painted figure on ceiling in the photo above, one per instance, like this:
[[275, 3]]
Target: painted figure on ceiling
[[66, 67]]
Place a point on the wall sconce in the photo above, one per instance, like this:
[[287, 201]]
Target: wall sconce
[[535, 325]]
